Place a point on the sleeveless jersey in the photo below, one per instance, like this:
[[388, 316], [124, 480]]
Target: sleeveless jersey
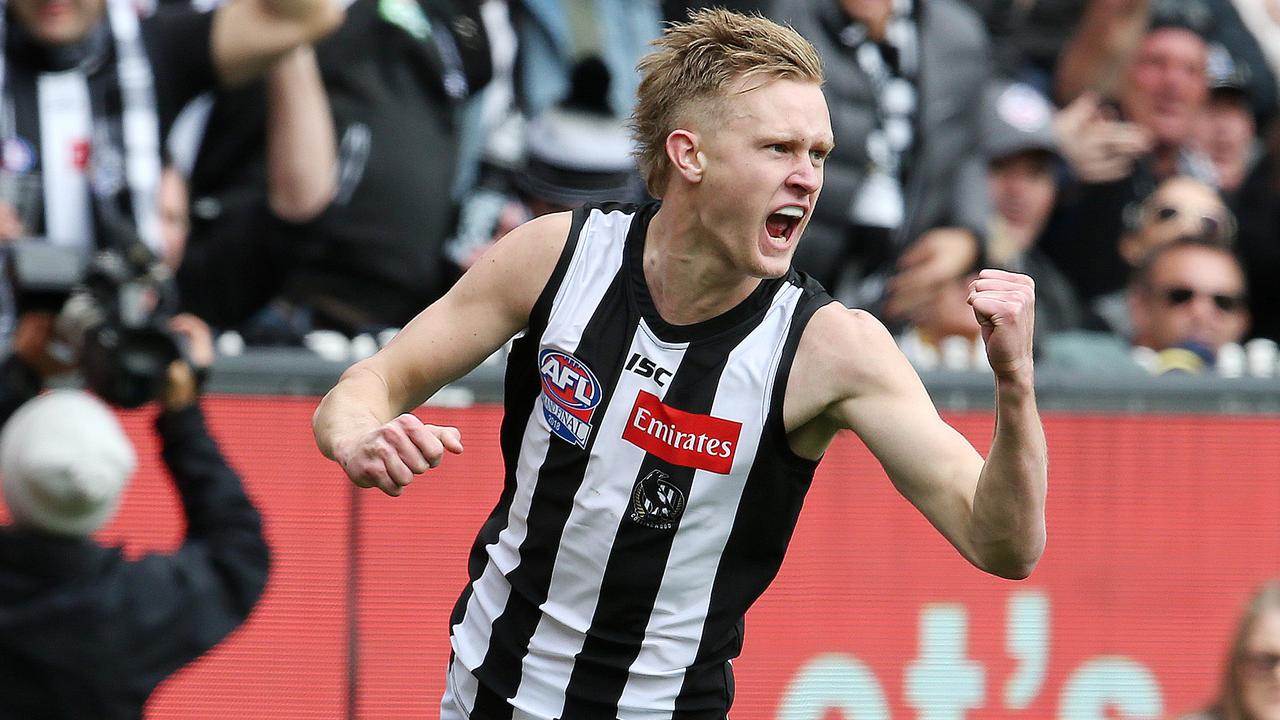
[[649, 497]]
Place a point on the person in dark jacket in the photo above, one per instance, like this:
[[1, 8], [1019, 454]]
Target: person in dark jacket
[[84, 632]]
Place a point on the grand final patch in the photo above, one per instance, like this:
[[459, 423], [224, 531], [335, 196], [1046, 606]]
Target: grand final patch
[[570, 394]]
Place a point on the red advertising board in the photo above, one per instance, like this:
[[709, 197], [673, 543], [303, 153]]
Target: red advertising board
[[1159, 526]]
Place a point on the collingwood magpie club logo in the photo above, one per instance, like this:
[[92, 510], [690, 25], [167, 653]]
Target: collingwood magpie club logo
[[656, 503]]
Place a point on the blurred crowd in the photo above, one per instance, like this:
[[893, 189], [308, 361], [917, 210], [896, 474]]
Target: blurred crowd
[[1124, 153]]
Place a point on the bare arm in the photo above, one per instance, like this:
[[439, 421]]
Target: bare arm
[[251, 35], [301, 149], [363, 422], [1101, 47], [992, 511]]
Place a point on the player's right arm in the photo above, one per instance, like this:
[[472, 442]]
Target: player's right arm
[[364, 423]]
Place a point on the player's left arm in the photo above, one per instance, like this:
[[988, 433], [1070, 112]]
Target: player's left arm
[[992, 511]]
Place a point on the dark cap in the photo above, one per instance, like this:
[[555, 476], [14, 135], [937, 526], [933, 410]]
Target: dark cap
[[1016, 119], [1191, 15], [1228, 79]]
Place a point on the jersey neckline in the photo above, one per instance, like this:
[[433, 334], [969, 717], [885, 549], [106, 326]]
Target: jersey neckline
[[633, 260]]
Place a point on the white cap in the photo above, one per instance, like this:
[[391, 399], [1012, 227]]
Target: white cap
[[64, 462]]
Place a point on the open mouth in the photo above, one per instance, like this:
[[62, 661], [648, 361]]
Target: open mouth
[[782, 224]]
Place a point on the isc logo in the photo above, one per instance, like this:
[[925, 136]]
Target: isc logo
[[644, 367], [570, 395]]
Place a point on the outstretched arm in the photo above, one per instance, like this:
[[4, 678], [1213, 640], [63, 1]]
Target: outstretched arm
[[992, 511], [1101, 47], [364, 423], [302, 154], [251, 35]]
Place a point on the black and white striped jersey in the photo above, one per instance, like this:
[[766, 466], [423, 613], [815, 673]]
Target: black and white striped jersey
[[650, 493]]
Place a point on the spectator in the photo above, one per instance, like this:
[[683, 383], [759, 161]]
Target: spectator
[[102, 161], [240, 249], [575, 152], [1104, 46], [553, 36], [1028, 36], [1022, 158], [85, 633], [1180, 207], [904, 203], [1250, 688], [1163, 92], [1186, 300], [1188, 293], [98, 168], [557, 44], [398, 75], [1258, 209], [1228, 132], [944, 333]]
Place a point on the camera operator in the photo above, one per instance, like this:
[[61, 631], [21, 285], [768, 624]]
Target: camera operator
[[88, 90], [85, 633]]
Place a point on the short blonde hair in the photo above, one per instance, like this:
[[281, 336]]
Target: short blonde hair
[[695, 61]]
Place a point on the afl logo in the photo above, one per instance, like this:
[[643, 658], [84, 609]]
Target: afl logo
[[570, 394]]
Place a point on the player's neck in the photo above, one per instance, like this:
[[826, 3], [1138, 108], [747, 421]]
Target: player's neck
[[688, 281]]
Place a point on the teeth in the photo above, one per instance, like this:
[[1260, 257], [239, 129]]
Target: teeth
[[791, 211]]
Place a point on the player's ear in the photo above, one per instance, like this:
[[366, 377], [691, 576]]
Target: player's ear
[[683, 151]]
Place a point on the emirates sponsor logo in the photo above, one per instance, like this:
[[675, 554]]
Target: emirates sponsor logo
[[702, 442]]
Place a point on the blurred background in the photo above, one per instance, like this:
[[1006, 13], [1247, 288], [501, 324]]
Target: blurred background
[[306, 203]]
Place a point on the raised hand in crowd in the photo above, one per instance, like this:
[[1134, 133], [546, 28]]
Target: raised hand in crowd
[[1098, 147], [938, 257]]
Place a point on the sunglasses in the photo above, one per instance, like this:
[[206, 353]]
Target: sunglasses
[[1176, 296], [1210, 226], [1260, 663]]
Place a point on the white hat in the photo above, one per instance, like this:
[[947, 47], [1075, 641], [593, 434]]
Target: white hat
[[64, 462]]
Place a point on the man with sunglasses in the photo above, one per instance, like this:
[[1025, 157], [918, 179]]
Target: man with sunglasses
[[1185, 300], [1188, 295], [1181, 206]]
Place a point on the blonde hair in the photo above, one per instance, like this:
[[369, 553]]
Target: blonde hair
[[695, 61]]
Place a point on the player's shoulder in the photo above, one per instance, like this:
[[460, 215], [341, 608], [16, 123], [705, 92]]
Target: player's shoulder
[[516, 268], [846, 347], [532, 246], [836, 329], [543, 233]]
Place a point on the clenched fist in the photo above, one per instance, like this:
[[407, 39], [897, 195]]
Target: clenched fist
[[1004, 304], [389, 456]]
